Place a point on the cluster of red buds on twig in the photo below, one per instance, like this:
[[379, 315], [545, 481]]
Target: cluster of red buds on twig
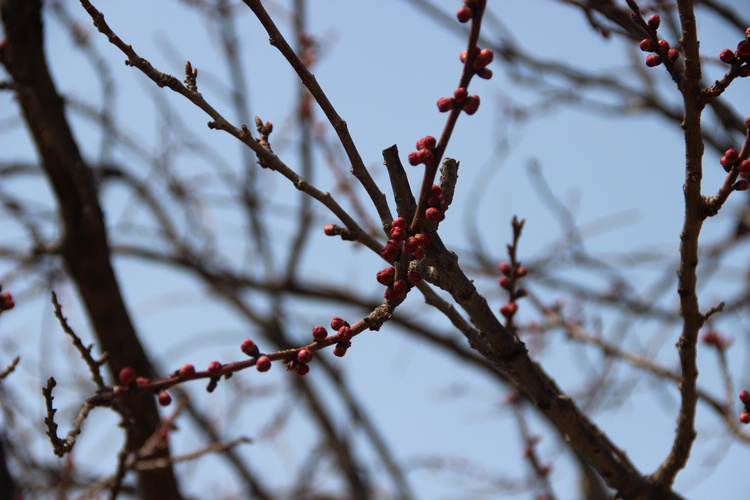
[[659, 47], [740, 58], [512, 273]]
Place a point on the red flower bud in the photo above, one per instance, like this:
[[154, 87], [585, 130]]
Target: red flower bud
[[472, 104], [127, 375], [399, 222], [743, 48], [504, 282], [462, 56], [423, 240], [385, 277], [505, 268], [337, 323], [429, 142], [214, 368], [345, 333], [654, 21], [164, 398], [187, 371], [727, 56], [340, 349], [330, 230], [741, 185], [141, 381], [745, 397], [249, 347], [521, 272], [400, 287], [426, 156], [319, 333], [731, 155], [745, 417], [485, 73], [508, 309], [653, 60], [484, 58], [646, 45], [414, 159], [389, 252], [445, 104], [304, 356], [419, 253], [301, 369], [464, 14], [434, 214], [664, 44], [673, 55], [411, 245], [263, 364], [745, 168], [414, 277], [398, 233], [460, 95]]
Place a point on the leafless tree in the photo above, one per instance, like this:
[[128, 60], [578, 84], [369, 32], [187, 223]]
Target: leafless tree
[[272, 275]]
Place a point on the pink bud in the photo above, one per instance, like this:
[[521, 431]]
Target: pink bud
[[508, 309], [423, 240], [398, 233], [301, 369], [399, 222], [345, 333], [743, 48], [164, 398], [504, 282], [127, 375], [646, 45], [304, 356], [249, 347], [445, 104], [414, 277], [505, 268], [745, 397], [745, 417], [654, 21], [745, 168], [731, 155], [472, 104], [434, 214], [484, 58], [142, 381], [741, 185], [411, 245], [330, 230], [485, 73], [187, 371], [263, 364], [653, 60], [464, 14], [673, 55], [426, 156], [389, 252], [340, 349], [429, 142], [460, 95], [319, 333], [385, 277], [727, 56], [414, 159], [400, 287], [521, 272], [337, 323], [664, 44], [462, 56], [390, 293], [214, 368]]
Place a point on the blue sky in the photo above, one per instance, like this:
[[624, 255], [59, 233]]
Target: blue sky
[[384, 65]]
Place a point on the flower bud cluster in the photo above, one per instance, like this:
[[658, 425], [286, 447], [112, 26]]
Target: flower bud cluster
[[425, 151], [400, 242], [660, 48], [462, 99], [511, 273], [466, 13], [414, 245], [739, 57], [731, 160]]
